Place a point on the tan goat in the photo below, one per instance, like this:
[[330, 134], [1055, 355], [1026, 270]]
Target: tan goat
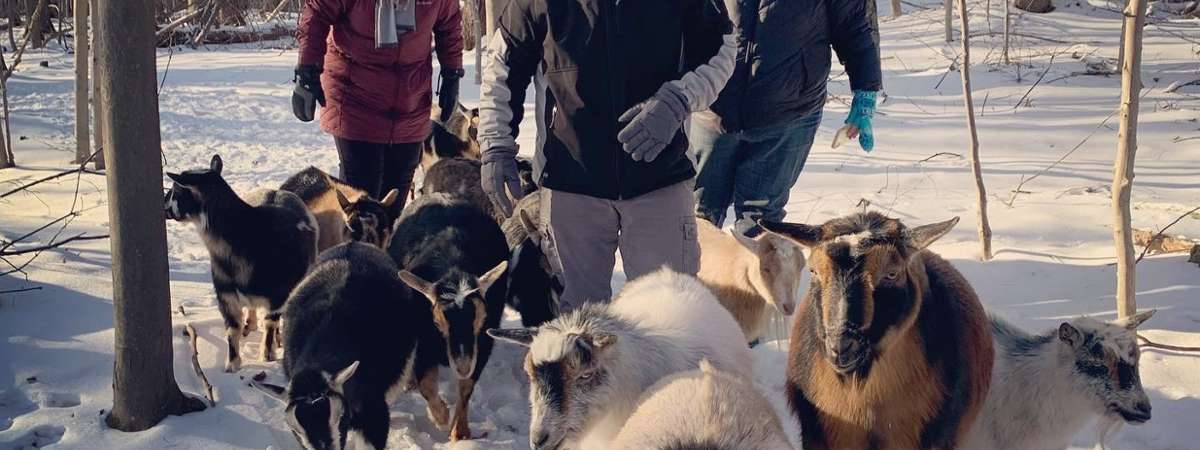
[[747, 274]]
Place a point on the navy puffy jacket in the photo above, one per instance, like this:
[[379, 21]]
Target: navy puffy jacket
[[783, 59]]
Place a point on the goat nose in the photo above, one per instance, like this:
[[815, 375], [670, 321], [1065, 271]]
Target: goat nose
[[540, 439]]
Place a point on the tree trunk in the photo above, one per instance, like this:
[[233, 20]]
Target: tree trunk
[[7, 159], [985, 228], [896, 8], [1122, 185], [97, 126], [1007, 24], [83, 139], [144, 388], [949, 7], [38, 19]]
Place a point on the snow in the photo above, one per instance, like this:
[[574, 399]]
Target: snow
[[1054, 250]]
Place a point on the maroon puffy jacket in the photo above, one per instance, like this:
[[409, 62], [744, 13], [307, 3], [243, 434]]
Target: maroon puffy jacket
[[377, 95]]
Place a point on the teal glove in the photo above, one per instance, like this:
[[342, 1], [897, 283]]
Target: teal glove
[[862, 109]]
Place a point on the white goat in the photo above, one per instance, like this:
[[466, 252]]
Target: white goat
[[746, 274], [703, 408], [588, 368], [1045, 388]]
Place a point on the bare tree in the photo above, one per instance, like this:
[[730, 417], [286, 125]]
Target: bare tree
[[1122, 185], [83, 138], [97, 126], [872, 8], [985, 228], [1007, 24], [144, 388], [896, 8], [949, 7], [7, 159]]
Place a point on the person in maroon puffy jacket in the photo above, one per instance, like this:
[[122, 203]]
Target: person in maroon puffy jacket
[[376, 99]]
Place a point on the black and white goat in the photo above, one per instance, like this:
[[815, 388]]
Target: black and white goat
[[534, 281], [344, 212], [453, 254], [259, 249], [588, 368], [351, 333], [1047, 387]]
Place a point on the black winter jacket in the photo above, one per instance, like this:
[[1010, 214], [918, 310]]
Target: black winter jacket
[[599, 58], [783, 59]]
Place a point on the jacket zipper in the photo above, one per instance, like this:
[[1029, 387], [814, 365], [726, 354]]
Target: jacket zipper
[[611, 35]]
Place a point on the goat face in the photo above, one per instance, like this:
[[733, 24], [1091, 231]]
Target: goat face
[[865, 286], [459, 311], [185, 200], [568, 378], [1106, 362], [369, 221], [316, 408], [780, 266]]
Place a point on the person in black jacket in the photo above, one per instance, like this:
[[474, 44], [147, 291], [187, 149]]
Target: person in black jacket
[[624, 75], [753, 141]]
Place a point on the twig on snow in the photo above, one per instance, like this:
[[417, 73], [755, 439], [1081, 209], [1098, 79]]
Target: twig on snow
[[78, 237], [15, 291], [1159, 235], [935, 155], [1036, 83], [1174, 348], [190, 331]]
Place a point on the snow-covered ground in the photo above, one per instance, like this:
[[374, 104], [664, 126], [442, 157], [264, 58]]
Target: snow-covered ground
[[1053, 245]]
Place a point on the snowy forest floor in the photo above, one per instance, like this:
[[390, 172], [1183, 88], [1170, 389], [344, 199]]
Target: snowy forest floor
[[1054, 250]]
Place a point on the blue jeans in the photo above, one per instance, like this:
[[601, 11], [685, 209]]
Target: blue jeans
[[753, 170]]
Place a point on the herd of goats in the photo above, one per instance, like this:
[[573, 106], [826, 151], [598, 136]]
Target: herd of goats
[[890, 348]]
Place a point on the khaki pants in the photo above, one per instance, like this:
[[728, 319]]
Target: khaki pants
[[653, 230]]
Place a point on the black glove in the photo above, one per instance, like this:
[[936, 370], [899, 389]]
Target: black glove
[[308, 92], [448, 92]]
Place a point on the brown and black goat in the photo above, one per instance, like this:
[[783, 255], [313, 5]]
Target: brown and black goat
[[344, 212], [890, 347]]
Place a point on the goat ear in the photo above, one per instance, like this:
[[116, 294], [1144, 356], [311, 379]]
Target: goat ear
[[489, 278], [519, 336], [740, 228], [175, 177], [806, 235], [921, 237], [343, 376], [216, 165], [1136, 320], [390, 198], [419, 284], [343, 202], [602, 341], [274, 391], [1069, 334]]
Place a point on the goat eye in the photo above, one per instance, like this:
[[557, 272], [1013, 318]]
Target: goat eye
[[892, 276], [585, 375]]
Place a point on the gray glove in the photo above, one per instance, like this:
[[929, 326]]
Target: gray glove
[[653, 123], [500, 171]]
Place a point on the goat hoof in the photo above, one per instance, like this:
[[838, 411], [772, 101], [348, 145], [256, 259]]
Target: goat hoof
[[462, 433], [268, 356], [440, 419], [233, 365]]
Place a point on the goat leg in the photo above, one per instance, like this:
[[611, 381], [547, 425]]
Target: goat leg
[[461, 428], [439, 414], [251, 321], [231, 312], [270, 336]]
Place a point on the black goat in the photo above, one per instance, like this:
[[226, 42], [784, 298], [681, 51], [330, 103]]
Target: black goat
[[534, 282], [452, 253], [259, 249], [351, 333]]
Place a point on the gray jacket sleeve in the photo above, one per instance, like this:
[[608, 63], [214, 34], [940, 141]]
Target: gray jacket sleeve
[[709, 50], [512, 58]]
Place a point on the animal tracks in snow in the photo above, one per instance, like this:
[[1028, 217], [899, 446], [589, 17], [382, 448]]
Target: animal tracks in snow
[[40, 436]]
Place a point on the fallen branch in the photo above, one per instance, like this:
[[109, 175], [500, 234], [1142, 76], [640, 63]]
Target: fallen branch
[[1174, 348], [1180, 84], [1158, 237], [168, 28], [190, 331], [276, 11], [79, 237]]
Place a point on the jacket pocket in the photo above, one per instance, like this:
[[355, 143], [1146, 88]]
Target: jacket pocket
[[690, 262]]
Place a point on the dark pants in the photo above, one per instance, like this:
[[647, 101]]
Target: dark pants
[[379, 168], [753, 170]]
